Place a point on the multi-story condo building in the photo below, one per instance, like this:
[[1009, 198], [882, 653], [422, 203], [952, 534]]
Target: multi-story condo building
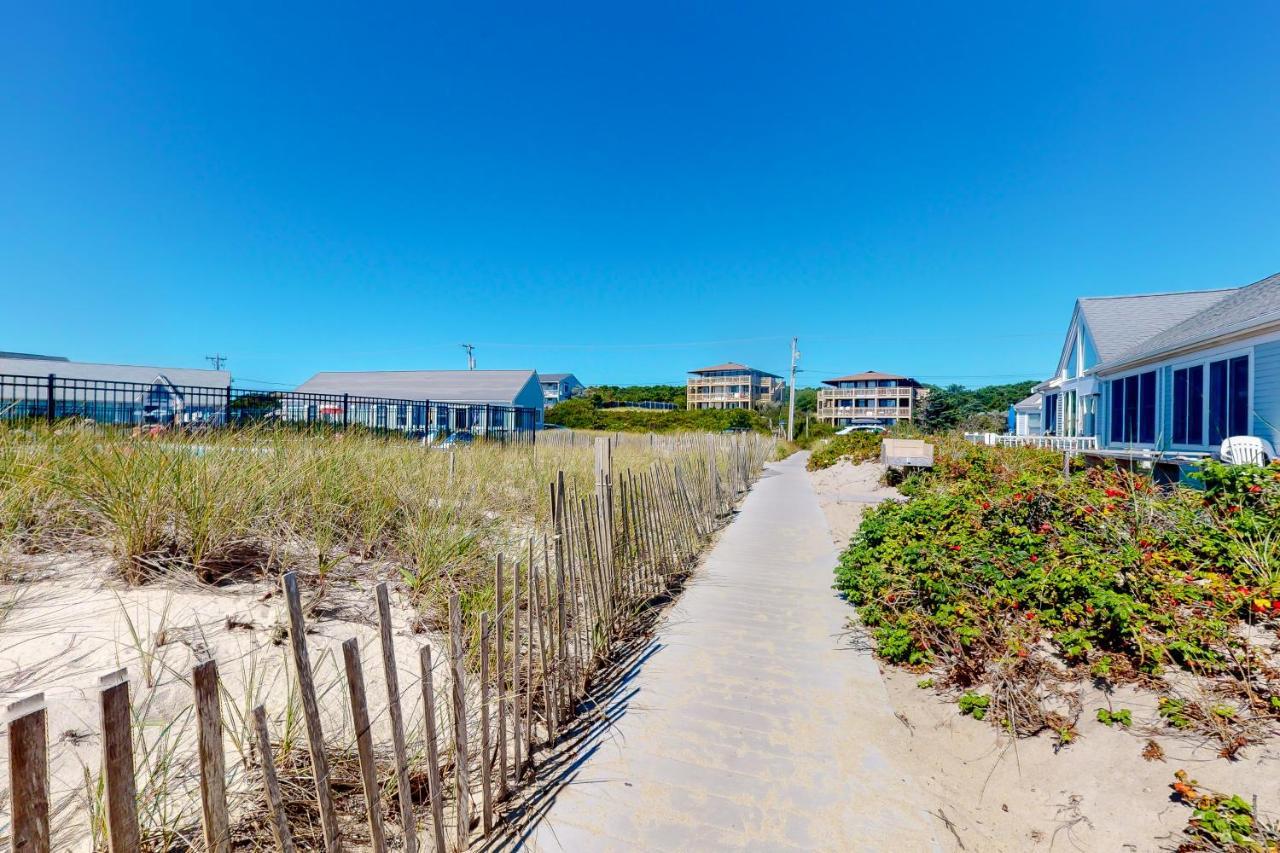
[[869, 399], [732, 386]]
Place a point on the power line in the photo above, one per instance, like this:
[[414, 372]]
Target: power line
[[217, 360]]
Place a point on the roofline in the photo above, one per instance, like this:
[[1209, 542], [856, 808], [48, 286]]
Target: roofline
[[112, 364], [1193, 344], [424, 370], [746, 367], [1165, 293]]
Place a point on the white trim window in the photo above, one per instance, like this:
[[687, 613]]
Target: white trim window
[[1212, 399], [1134, 408]]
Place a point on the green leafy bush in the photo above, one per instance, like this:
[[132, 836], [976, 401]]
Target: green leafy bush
[[1123, 717], [995, 553], [856, 447], [975, 705], [581, 413]]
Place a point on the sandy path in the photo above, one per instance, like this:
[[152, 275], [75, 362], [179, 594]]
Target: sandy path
[[748, 726]]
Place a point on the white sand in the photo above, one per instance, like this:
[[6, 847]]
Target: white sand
[[71, 623], [1097, 793]]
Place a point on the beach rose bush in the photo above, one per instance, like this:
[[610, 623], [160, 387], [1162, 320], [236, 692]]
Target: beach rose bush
[[994, 554]]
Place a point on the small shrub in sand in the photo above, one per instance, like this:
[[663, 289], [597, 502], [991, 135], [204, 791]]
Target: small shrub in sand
[[996, 562]]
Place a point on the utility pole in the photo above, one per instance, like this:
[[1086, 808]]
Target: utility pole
[[217, 360], [791, 406], [471, 355]]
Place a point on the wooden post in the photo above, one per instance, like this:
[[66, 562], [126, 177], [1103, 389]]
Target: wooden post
[[500, 664], [515, 674], [434, 786], [486, 763], [213, 769], [396, 716], [364, 743], [461, 775], [528, 671], [117, 763], [29, 775], [311, 714], [546, 643], [271, 784]]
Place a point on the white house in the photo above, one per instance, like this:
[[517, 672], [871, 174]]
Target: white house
[[33, 385], [1026, 415], [558, 387], [481, 391], [1169, 371]]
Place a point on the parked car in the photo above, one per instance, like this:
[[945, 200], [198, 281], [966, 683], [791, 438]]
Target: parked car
[[860, 428], [454, 440]]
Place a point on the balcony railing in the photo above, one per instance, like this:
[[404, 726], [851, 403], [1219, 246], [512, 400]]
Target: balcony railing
[[1074, 443]]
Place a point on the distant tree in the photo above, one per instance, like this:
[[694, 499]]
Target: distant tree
[[806, 399], [974, 408]]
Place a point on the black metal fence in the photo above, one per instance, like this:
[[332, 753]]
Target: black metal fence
[[161, 404]]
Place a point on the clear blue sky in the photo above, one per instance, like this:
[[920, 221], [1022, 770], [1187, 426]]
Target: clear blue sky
[[624, 192]]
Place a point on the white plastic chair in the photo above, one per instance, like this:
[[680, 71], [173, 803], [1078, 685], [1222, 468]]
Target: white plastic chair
[[1246, 450]]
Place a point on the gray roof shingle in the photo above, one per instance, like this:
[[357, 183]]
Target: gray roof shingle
[[115, 372], [1232, 309], [453, 386], [1121, 323]]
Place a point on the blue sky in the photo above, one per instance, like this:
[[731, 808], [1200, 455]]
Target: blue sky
[[622, 191]]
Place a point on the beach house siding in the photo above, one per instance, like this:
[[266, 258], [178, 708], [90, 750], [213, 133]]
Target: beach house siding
[[1266, 391], [1263, 396]]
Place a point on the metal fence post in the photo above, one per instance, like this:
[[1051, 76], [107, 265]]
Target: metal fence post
[[48, 408], [226, 417], [345, 398]]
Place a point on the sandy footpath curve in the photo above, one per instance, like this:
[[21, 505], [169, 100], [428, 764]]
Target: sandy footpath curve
[[749, 726]]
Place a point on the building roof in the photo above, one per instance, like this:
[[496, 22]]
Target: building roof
[[1232, 310], [556, 377], [1118, 324], [193, 376], [1032, 402], [733, 365], [33, 356], [450, 386], [865, 376]]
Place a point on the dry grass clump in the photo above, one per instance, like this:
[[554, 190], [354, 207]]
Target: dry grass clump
[[233, 505]]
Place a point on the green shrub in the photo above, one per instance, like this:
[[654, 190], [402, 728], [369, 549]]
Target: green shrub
[[975, 705], [856, 447], [994, 553]]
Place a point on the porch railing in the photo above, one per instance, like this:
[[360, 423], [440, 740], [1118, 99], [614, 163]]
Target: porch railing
[[1074, 443]]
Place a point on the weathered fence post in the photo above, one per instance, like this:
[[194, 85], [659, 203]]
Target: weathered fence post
[[117, 763], [311, 714], [29, 775], [270, 783], [515, 673], [500, 664], [434, 787], [364, 742], [397, 719], [213, 762], [461, 774], [486, 764]]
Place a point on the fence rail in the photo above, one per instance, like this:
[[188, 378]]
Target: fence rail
[[1048, 442], [581, 590], [162, 404]]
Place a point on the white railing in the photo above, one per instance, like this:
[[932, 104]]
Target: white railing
[[1048, 442]]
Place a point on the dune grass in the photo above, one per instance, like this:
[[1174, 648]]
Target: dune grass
[[242, 504]]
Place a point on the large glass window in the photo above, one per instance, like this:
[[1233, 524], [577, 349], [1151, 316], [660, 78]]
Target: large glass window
[[1228, 398], [1051, 414], [1188, 405], [1133, 409]]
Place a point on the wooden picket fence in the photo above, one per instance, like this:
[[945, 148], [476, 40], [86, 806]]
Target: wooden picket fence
[[560, 610]]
